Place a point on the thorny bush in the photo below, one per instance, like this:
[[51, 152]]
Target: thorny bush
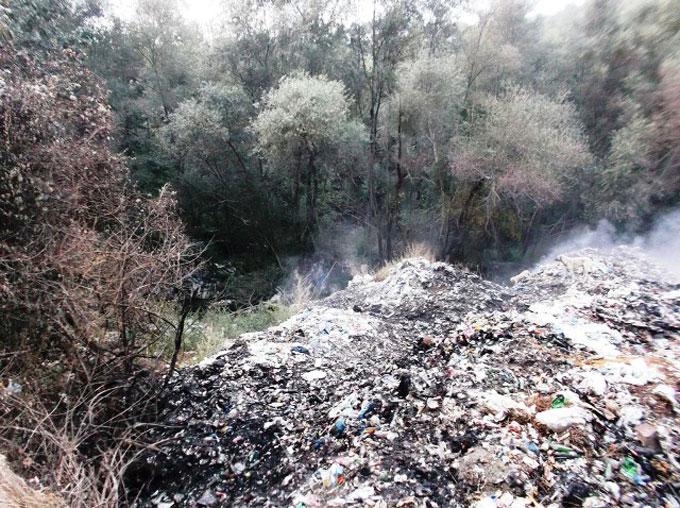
[[84, 260]]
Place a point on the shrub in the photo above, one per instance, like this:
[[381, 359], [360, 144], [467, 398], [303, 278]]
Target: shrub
[[83, 260], [218, 327]]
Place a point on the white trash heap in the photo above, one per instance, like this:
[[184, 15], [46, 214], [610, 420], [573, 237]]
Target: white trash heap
[[435, 388]]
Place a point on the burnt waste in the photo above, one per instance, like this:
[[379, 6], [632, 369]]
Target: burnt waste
[[433, 387]]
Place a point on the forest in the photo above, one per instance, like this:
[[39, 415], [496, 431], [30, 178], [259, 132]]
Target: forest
[[292, 129], [150, 165]]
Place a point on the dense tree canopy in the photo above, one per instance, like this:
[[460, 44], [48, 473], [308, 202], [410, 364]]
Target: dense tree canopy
[[477, 130], [303, 127]]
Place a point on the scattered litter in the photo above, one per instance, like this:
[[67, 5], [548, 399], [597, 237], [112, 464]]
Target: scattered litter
[[561, 418], [648, 435], [558, 402], [207, 499], [313, 375], [631, 470], [339, 427], [361, 494], [332, 476], [300, 349], [594, 383], [630, 415], [12, 388], [668, 393], [433, 387]]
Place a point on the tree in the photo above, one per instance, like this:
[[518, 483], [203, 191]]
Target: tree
[[440, 30], [168, 48], [518, 157], [378, 48], [303, 124], [417, 78], [46, 24], [225, 197], [419, 120], [624, 88], [499, 48], [269, 39], [150, 65], [204, 133]]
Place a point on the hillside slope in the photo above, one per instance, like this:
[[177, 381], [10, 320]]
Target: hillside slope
[[434, 387]]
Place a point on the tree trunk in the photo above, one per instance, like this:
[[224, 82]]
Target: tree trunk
[[297, 177], [312, 190], [457, 242], [187, 306], [393, 220]]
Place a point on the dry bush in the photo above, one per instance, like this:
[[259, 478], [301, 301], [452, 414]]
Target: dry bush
[[15, 493], [302, 292], [525, 154], [412, 250], [299, 293], [419, 250], [81, 252], [70, 446], [84, 261]]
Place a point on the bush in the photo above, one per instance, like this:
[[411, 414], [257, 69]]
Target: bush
[[524, 153], [218, 327], [83, 260]]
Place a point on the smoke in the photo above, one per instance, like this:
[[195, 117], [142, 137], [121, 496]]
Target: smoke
[[349, 245], [341, 251], [661, 243], [603, 237]]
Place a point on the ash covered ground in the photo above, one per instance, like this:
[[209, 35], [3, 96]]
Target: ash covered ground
[[434, 387]]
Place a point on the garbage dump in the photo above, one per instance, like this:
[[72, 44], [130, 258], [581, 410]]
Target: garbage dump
[[435, 388]]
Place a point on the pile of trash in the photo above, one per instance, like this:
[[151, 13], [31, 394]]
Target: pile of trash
[[436, 388]]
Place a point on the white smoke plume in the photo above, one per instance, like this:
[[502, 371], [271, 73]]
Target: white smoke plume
[[661, 243]]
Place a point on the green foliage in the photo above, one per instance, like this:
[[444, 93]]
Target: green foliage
[[40, 24], [225, 199], [525, 147], [195, 135], [413, 125], [45, 25], [522, 154], [214, 330], [302, 128], [625, 180], [430, 97], [302, 115], [623, 74]]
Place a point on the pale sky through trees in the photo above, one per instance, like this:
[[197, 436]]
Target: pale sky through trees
[[205, 12]]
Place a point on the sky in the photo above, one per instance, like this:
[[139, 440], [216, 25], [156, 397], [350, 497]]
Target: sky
[[550, 7], [204, 12]]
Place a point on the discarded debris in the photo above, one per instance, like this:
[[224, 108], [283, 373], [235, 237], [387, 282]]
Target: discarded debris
[[558, 402], [561, 418], [442, 389], [332, 476], [648, 436], [631, 470]]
